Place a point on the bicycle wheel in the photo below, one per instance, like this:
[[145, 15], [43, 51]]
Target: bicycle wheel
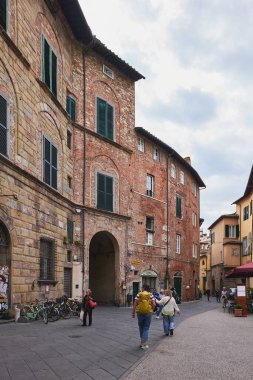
[[53, 314], [65, 311], [45, 316]]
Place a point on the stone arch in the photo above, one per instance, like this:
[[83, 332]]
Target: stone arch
[[104, 267], [5, 267]]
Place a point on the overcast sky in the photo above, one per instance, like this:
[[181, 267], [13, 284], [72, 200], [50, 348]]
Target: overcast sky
[[197, 58]]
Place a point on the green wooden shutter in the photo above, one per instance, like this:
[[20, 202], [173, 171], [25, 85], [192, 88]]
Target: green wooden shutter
[[100, 191], [53, 73], [70, 230], [3, 14], [109, 194], [178, 207], [71, 108], [237, 230], [47, 160], [226, 230], [3, 126], [101, 117], [110, 122], [54, 167], [46, 62]]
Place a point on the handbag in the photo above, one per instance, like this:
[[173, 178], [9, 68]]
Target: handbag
[[81, 315], [92, 304]]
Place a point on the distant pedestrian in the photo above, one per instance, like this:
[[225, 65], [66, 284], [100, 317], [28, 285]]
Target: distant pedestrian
[[144, 304], [156, 295], [169, 307], [224, 297], [87, 308], [208, 294], [218, 294], [160, 307]]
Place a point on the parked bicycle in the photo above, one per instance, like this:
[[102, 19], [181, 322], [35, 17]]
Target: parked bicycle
[[35, 311]]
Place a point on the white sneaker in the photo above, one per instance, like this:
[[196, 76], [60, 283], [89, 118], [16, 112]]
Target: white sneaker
[[144, 346], [157, 317]]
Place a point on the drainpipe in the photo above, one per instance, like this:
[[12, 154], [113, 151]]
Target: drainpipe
[[84, 52], [240, 235], [167, 274]]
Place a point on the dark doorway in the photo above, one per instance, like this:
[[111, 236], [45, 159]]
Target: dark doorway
[[103, 268], [68, 282], [5, 268], [136, 289], [178, 283]]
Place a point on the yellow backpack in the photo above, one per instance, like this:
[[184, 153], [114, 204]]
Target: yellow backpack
[[144, 305]]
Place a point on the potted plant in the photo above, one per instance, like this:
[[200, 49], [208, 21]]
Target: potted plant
[[65, 240], [238, 310], [77, 242]]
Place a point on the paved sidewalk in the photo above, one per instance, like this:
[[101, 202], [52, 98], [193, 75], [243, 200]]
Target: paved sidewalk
[[212, 345], [66, 350]]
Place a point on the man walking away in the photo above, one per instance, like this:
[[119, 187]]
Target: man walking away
[[144, 304], [208, 294]]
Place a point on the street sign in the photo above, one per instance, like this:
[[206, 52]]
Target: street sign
[[135, 262]]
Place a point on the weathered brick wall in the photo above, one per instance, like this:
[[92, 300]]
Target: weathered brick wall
[[33, 113]]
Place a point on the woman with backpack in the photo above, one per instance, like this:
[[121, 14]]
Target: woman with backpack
[[168, 312], [144, 304]]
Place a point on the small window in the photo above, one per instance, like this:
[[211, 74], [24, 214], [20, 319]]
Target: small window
[[173, 171], [178, 244], [235, 252], [231, 231], [149, 230], [107, 71], [104, 192], [150, 185], [3, 125], [194, 250], [70, 231], [250, 207], [69, 179], [194, 219], [69, 256], [71, 108], [194, 189], [178, 207], [203, 262], [69, 139], [3, 14], [246, 213], [47, 259], [181, 177], [244, 246], [156, 154], [141, 145], [212, 237], [50, 164], [49, 66], [105, 119]]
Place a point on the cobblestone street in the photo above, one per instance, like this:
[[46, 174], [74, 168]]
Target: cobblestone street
[[66, 350]]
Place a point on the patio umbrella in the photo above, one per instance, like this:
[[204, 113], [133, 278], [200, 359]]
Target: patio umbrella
[[245, 270]]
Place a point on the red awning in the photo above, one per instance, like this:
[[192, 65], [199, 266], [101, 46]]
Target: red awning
[[245, 270]]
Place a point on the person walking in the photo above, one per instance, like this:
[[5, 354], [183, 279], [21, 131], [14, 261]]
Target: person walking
[[218, 294], [159, 307], [86, 307], [169, 307], [144, 304], [208, 294]]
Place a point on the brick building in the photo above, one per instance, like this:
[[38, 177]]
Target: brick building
[[76, 207]]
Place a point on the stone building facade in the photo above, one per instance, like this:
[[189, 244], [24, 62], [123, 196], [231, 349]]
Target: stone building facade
[[76, 208]]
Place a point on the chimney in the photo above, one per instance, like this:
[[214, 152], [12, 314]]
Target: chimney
[[188, 159]]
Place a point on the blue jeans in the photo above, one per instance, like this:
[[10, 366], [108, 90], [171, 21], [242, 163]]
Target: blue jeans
[[159, 309], [144, 321], [168, 323]]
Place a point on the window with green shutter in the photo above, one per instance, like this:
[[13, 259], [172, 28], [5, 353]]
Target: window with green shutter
[[3, 125], [178, 207], [49, 163], [105, 119], [3, 14], [104, 192], [70, 231], [71, 108], [49, 66]]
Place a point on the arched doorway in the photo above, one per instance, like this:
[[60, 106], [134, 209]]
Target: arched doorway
[[4, 268], [104, 268], [178, 283]]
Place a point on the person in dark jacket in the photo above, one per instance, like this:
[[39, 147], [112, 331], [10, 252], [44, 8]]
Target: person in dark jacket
[[86, 307]]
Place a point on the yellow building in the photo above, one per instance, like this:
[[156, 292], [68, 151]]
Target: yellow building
[[205, 263], [244, 211], [225, 250]]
